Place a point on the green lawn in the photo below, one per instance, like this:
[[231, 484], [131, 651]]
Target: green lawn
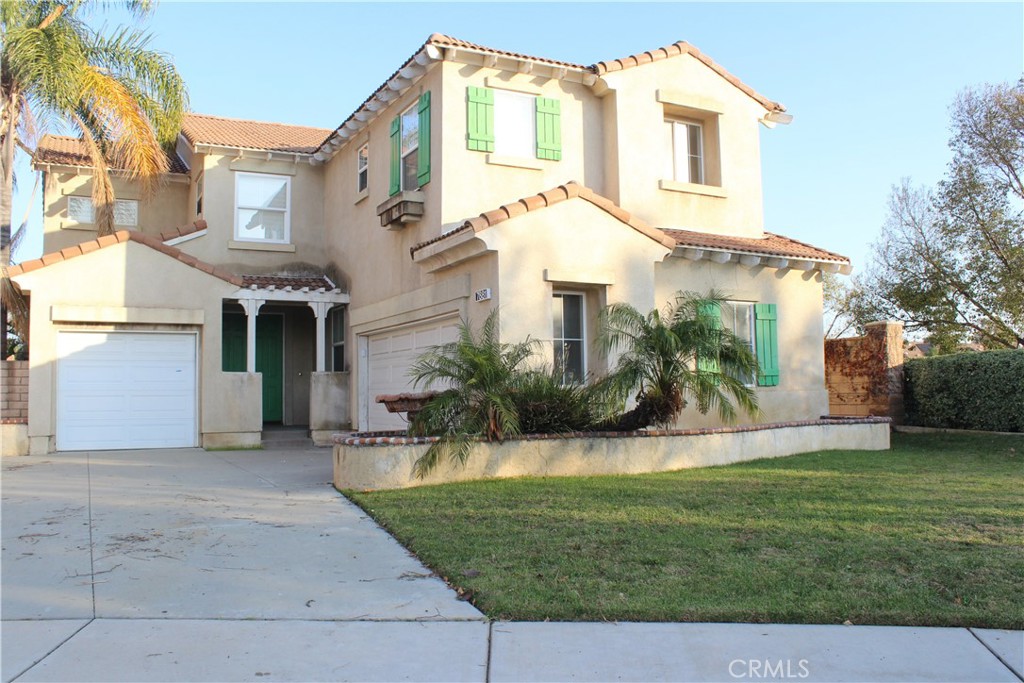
[[929, 533]]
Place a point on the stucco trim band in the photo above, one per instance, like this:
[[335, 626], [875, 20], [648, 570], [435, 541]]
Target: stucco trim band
[[382, 462], [134, 315]]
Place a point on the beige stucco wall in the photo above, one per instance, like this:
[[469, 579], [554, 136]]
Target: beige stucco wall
[[573, 246], [634, 137], [801, 393], [129, 282], [305, 250], [165, 210], [391, 466], [480, 181]]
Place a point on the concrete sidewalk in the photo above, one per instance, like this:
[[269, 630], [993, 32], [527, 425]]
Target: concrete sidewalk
[[248, 566]]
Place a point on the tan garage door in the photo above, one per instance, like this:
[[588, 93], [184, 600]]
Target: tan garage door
[[391, 354]]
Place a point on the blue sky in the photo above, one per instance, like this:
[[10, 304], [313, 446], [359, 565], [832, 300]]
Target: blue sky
[[869, 84]]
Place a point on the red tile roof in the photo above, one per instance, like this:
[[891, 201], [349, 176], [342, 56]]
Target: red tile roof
[[548, 198], [769, 245], [67, 151], [313, 282], [442, 41], [680, 48], [272, 137], [116, 238], [174, 233]]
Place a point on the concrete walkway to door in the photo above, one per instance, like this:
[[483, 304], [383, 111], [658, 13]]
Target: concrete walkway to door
[[185, 565]]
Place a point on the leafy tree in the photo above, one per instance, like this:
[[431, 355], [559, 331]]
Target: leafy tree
[[670, 355], [950, 261], [124, 101], [840, 314]]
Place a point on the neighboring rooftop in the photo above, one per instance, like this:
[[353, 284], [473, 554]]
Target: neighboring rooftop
[[203, 129], [61, 150]]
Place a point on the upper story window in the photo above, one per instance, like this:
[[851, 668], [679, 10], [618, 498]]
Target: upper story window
[[410, 147], [410, 137], [568, 336], [687, 151], [126, 211], [262, 207], [363, 168], [513, 124]]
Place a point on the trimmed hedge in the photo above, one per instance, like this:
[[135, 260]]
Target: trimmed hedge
[[967, 391]]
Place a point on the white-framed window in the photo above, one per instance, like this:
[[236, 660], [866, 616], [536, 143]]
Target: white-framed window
[[262, 207], [410, 147], [569, 336], [738, 318], [126, 211], [515, 124], [686, 139], [338, 340], [363, 168]]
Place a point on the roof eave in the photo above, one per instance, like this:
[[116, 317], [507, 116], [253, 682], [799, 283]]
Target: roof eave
[[753, 259]]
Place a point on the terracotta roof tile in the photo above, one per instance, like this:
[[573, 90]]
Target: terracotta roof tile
[[441, 40], [117, 238], [294, 281], [678, 48], [770, 245], [61, 150], [197, 226], [570, 190], [272, 137]]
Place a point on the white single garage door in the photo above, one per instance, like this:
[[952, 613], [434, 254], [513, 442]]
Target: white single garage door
[[391, 355], [126, 390]]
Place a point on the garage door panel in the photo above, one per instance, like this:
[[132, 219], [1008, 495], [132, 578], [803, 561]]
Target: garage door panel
[[391, 356], [126, 390]]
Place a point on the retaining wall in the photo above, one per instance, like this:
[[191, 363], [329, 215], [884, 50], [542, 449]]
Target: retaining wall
[[368, 462]]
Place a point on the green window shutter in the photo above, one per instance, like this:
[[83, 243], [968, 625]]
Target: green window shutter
[[396, 156], [713, 311], [479, 119], [423, 157], [549, 129], [766, 335]]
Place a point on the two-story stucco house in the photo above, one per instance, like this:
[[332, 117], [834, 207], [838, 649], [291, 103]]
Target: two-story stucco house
[[289, 275]]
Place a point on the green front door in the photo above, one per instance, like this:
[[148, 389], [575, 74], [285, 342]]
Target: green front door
[[269, 357], [270, 362]]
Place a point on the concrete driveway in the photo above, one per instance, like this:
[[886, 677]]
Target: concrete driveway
[[254, 549], [183, 565]]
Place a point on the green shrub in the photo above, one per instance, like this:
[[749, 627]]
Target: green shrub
[[546, 406], [967, 391]]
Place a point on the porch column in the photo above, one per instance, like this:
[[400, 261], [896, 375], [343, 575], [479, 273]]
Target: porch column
[[252, 309], [320, 310]]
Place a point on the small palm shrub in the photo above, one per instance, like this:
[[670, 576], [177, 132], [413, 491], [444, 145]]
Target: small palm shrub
[[671, 355], [480, 374]]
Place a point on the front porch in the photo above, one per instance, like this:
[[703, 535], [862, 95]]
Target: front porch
[[289, 330]]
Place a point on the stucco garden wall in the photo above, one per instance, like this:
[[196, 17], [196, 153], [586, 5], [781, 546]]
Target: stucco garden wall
[[386, 462]]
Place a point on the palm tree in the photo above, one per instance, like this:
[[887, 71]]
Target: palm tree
[[126, 102], [482, 375], [668, 356]]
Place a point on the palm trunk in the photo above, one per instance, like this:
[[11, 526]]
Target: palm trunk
[[10, 127]]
